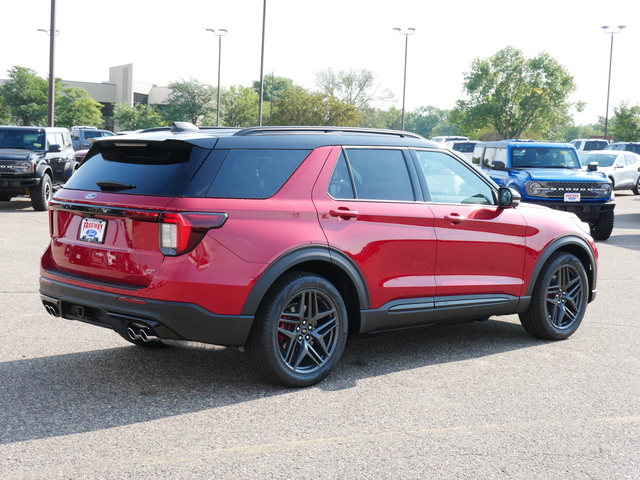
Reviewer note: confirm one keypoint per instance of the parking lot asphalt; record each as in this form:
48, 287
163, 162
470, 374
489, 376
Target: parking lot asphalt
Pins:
470, 401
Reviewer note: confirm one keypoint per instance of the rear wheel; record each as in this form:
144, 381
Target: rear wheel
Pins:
299, 332
41, 194
559, 299
602, 228
636, 189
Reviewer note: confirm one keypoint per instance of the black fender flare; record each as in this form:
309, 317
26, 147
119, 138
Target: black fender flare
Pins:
568, 243
41, 170
288, 261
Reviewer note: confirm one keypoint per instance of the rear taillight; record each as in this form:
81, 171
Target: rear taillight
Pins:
179, 233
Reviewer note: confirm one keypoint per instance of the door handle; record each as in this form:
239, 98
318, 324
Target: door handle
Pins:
343, 213
455, 218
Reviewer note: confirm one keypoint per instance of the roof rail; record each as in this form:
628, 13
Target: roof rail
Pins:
324, 130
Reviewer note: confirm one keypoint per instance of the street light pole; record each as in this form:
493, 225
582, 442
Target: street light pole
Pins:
221, 33
52, 32
612, 33
406, 33
264, 23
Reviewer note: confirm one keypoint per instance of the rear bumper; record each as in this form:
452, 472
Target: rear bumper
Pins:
167, 320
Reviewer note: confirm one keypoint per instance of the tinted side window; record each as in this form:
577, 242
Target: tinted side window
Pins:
255, 173
633, 148
379, 174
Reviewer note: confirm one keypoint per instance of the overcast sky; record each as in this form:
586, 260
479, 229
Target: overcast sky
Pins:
167, 41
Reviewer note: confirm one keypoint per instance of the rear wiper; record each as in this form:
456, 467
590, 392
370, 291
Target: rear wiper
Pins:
113, 186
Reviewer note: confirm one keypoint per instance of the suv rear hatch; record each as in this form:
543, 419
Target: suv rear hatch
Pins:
97, 232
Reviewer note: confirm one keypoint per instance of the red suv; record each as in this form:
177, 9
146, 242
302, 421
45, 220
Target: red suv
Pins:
285, 240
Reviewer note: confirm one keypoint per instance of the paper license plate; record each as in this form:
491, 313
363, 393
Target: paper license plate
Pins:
571, 197
92, 230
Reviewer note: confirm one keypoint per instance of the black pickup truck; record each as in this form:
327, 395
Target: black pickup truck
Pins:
34, 161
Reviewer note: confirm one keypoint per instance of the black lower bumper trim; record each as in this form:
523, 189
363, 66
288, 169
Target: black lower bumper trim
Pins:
169, 320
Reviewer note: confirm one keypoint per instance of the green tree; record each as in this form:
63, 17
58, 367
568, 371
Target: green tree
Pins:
128, 117
239, 107
273, 87
625, 123
25, 97
74, 106
513, 94
4, 111
190, 101
424, 120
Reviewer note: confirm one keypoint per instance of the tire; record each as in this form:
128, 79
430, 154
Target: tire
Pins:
559, 299
636, 189
602, 228
299, 332
41, 194
5, 198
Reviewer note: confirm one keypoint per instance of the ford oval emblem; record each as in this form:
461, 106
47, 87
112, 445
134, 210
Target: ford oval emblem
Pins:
89, 196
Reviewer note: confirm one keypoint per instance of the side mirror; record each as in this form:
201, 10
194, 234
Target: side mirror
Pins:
508, 197
55, 148
498, 165
592, 167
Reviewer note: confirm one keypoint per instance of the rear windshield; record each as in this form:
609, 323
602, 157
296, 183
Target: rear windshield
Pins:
464, 147
179, 169
161, 170
591, 145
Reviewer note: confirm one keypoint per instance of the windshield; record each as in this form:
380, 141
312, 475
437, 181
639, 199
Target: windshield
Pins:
544, 157
602, 160
29, 139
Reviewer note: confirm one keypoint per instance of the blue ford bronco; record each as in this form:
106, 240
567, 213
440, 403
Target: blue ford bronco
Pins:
550, 174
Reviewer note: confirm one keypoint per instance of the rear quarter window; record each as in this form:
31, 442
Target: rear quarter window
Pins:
255, 174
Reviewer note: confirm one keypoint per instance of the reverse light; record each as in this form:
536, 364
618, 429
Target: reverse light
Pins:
179, 233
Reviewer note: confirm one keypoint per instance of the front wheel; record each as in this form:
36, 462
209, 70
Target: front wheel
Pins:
41, 194
300, 331
636, 189
602, 228
559, 299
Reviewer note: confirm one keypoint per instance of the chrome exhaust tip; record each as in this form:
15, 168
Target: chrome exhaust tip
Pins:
133, 335
147, 336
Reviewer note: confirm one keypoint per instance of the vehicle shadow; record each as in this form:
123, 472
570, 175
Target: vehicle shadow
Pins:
18, 204
95, 390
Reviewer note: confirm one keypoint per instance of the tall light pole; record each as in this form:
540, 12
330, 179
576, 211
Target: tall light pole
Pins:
264, 23
221, 33
612, 33
406, 33
52, 32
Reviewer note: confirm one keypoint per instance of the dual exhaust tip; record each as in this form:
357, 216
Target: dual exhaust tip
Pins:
144, 334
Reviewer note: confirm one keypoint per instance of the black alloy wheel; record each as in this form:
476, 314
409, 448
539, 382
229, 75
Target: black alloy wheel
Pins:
300, 331
559, 299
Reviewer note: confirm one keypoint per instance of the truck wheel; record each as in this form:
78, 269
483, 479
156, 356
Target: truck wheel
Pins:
559, 299
41, 194
5, 198
602, 228
299, 332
